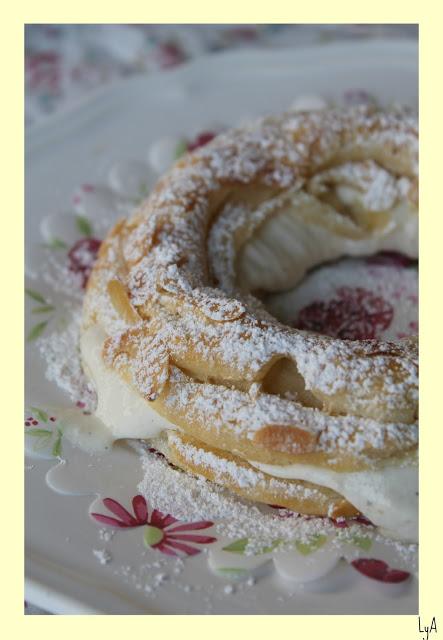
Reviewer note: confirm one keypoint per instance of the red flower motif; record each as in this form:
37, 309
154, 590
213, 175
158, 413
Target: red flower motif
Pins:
159, 534
43, 71
353, 97
356, 314
391, 259
283, 512
169, 54
338, 523
199, 141
82, 257
157, 453
343, 523
245, 34
379, 570
124, 518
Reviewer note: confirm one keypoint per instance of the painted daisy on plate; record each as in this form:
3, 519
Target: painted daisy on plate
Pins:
162, 531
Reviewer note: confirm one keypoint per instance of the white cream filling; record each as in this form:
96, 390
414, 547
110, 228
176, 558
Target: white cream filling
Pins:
388, 496
124, 412
282, 250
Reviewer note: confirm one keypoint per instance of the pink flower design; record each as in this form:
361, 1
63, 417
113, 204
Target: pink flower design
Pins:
243, 34
200, 140
169, 54
338, 523
124, 518
353, 97
82, 256
379, 570
343, 523
391, 259
82, 405
30, 421
156, 452
161, 532
412, 326
356, 314
282, 512
43, 71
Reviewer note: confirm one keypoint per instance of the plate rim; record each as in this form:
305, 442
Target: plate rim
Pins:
405, 49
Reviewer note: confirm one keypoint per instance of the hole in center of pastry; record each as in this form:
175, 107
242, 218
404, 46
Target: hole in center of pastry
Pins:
290, 248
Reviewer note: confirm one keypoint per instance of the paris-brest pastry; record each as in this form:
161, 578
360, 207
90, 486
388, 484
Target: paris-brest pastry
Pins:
176, 337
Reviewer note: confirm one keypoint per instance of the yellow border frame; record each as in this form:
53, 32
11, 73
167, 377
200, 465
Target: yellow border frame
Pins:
429, 19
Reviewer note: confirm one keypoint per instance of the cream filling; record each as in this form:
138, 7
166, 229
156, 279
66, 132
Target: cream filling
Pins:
388, 496
282, 250
124, 411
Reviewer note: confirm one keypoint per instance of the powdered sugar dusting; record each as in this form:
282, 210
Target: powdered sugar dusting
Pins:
61, 352
231, 410
363, 184
194, 498
190, 230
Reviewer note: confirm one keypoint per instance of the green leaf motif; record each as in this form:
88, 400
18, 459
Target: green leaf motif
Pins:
180, 149
36, 331
272, 546
57, 448
362, 542
84, 226
35, 295
316, 541
144, 190
46, 309
232, 571
238, 546
41, 415
56, 243
39, 433
42, 437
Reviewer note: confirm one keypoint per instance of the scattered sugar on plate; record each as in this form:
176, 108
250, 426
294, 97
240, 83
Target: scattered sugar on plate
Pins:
106, 534
102, 555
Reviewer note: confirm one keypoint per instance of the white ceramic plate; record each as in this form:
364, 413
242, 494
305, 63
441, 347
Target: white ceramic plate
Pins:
77, 147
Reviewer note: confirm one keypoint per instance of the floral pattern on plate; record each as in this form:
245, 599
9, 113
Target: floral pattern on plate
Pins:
161, 530
302, 560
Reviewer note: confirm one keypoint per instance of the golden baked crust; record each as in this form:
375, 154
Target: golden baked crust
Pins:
174, 288
236, 474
